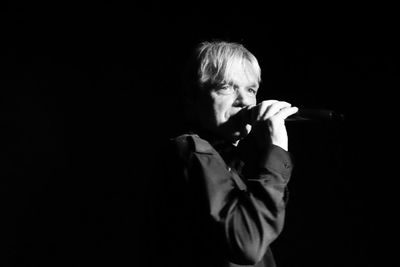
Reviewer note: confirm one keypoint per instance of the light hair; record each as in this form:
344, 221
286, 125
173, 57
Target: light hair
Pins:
215, 60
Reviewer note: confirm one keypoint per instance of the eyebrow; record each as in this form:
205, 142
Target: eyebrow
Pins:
254, 85
230, 82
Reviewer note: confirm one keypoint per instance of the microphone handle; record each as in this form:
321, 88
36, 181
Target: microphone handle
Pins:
305, 114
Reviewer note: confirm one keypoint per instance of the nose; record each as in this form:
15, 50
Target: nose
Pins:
243, 98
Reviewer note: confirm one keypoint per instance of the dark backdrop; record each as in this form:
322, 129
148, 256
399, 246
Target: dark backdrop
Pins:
89, 90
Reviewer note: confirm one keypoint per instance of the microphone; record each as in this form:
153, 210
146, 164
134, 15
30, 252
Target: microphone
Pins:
306, 114
302, 115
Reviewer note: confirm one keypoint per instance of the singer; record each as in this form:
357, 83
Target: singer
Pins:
224, 180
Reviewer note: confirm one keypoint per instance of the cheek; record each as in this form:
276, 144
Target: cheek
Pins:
222, 109
254, 101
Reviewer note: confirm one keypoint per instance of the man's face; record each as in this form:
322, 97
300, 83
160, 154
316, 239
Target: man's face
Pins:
218, 106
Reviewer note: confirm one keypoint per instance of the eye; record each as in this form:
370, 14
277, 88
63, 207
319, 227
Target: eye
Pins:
252, 91
226, 89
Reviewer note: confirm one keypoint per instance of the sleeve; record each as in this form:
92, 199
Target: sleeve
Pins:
247, 208
255, 212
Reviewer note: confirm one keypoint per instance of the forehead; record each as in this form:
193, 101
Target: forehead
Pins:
241, 71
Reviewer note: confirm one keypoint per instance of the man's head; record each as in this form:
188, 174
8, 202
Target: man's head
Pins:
225, 79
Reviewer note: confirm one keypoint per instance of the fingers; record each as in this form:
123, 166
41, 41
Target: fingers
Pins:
262, 108
274, 108
286, 112
269, 127
269, 109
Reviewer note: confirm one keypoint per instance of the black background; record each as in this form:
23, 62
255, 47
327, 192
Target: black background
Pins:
88, 91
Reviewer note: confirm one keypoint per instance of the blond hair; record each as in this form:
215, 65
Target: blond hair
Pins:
216, 58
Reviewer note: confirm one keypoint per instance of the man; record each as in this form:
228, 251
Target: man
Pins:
222, 199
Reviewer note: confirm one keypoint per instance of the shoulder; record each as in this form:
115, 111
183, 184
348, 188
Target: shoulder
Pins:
189, 143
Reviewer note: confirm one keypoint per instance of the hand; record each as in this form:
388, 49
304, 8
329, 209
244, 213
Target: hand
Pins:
269, 123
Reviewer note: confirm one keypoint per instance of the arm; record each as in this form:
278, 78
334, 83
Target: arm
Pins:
257, 213
257, 210
248, 211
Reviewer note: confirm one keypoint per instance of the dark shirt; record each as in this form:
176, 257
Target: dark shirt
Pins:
217, 204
